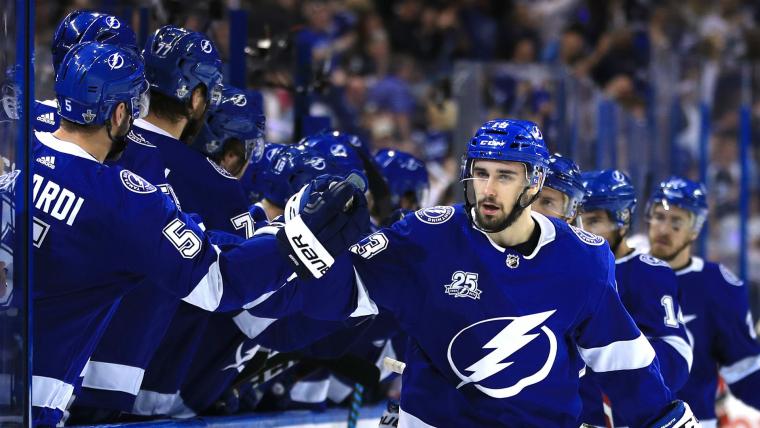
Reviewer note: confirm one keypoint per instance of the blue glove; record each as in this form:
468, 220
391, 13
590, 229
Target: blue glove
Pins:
677, 415
321, 221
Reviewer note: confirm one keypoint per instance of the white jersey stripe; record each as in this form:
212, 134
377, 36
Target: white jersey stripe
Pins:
740, 369
50, 393
622, 355
310, 391
681, 346
208, 293
113, 377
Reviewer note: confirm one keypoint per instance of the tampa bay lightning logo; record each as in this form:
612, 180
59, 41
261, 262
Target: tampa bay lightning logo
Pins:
317, 163
135, 183
410, 165
239, 100
339, 150
115, 61
502, 356
113, 22
730, 277
536, 133
206, 46
435, 215
653, 261
588, 237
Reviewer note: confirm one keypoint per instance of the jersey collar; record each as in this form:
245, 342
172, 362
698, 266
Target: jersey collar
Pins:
548, 233
696, 265
49, 140
635, 253
144, 124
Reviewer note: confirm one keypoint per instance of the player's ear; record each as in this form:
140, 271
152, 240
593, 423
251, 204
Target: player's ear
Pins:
119, 114
198, 99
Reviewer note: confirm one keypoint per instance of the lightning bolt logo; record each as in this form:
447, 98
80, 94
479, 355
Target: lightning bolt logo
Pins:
241, 359
509, 340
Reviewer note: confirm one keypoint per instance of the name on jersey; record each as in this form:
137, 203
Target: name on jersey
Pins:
57, 201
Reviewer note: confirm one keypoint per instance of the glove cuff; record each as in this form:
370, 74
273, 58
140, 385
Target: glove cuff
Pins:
303, 249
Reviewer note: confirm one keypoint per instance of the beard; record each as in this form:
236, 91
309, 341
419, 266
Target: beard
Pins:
499, 221
192, 128
118, 142
668, 256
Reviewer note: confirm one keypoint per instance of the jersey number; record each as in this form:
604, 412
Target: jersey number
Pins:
244, 221
185, 241
670, 312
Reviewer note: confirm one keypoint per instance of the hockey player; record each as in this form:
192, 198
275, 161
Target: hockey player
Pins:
83, 208
230, 342
713, 301
407, 178
78, 27
646, 285
234, 131
502, 304
195, 183
253, 177
563, 190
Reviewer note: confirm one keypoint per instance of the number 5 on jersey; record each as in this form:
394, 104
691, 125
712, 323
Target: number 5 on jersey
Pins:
184, 240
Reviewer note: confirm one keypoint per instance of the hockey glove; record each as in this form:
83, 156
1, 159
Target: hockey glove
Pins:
321, 221
390, 415
677, 415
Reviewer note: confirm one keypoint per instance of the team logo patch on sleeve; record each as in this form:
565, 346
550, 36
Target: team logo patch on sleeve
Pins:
219, 169
135, 183
435, 215
588, 237
653, 261
730, 277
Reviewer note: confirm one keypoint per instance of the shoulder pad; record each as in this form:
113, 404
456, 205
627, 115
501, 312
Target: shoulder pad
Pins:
223, 172
653, 261
435, 215
135, 183
729, 276
587, 237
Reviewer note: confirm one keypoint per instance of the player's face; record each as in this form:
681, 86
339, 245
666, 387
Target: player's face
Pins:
552, 203
497, 186
600, 223
670, 231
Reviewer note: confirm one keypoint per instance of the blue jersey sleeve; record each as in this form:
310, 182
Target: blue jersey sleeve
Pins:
382, 259
652, 301
622, 360
736, 346
171, 248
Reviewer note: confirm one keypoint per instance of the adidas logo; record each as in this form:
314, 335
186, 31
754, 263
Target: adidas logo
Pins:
48, 118
48, 161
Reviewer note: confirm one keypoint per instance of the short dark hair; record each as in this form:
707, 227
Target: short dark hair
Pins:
74, 127
170, 108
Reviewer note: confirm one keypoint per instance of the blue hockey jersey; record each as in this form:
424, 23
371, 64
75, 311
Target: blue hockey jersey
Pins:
46, 118
499, 337
649, 291
719, 324
83, 208
133, 337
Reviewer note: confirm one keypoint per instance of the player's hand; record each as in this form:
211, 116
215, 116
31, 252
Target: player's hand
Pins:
677, 415
321, 221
